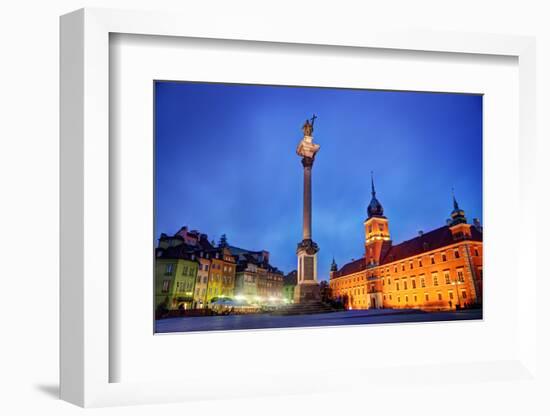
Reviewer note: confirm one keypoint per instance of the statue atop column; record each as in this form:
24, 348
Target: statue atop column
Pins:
306, 148
307, 128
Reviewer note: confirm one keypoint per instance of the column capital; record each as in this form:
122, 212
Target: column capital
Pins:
307, 245
307, 162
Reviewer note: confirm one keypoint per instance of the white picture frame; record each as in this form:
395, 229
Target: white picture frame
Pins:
85, 201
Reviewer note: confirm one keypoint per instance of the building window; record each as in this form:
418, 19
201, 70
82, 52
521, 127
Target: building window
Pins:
426, 297
447, 277
381, 227
432, 260
165, 286
404, 285
439, 296
415, 299
419, 262
410, 265
169, 269
434, 280
422, 282
443, 257
397, 286
206, 267
395, 269
399, 299
476, 252
402, 267
451, 295
406, 299
413, 282
457, 254
389, 281
460, 276
390, 296
464, 294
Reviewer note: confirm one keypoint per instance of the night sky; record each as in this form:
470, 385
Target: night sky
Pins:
226, 163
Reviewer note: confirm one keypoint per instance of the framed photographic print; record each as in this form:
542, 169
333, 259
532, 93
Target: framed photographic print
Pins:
311, 197
257, 190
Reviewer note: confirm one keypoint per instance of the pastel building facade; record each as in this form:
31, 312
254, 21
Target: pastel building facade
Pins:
175, 275
220, 271
256, 279
438, 270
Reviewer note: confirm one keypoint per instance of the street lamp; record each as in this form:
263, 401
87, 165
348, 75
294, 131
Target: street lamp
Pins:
455, 284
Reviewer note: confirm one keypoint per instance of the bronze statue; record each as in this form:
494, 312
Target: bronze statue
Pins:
308, 126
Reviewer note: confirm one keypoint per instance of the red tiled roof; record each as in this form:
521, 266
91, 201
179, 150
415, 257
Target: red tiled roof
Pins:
433, 240
438, 238
351, 267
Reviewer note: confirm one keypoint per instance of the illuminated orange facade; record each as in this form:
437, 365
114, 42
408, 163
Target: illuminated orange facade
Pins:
440, 269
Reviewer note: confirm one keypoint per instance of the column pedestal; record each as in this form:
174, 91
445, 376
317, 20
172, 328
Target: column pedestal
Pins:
307, 287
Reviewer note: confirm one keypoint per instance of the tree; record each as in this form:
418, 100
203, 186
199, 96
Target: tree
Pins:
223, 241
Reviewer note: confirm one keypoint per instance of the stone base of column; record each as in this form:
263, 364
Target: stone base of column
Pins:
307, 287
307, 292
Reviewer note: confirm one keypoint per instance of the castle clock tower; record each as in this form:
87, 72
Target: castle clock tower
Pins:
377, 232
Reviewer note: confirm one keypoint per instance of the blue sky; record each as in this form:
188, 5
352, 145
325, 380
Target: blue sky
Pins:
226, 163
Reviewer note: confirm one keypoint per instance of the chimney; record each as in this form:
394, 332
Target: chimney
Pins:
477, 224
420, 233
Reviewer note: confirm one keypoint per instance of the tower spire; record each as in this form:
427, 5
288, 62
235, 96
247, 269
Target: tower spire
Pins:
455, 203
457, 215
333, 266
375, 207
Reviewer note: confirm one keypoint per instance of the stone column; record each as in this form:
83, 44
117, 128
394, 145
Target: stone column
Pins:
307, 162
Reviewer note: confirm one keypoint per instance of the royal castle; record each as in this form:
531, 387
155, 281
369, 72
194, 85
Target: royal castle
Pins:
439, 269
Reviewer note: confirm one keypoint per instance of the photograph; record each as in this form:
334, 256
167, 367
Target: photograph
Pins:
291, 206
